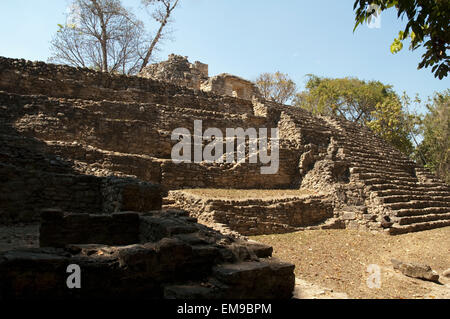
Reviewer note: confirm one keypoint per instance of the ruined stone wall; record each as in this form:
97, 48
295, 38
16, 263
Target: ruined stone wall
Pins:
102, 129
38, 78
59, 229
125, 139
146, 132
230, 85
25, 192
251, 217
37, 175
178, 70
243, 176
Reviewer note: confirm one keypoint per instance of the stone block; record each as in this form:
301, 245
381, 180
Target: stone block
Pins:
419, 271
349, 216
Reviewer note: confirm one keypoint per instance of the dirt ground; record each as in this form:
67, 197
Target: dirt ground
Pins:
334, 263
241, 194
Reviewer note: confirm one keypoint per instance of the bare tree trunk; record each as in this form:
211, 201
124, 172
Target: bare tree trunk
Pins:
103, 40
155, 41
153, 45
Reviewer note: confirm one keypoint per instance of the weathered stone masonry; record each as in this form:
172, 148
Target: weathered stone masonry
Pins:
61, 152
258, 216
178, 70
102, 125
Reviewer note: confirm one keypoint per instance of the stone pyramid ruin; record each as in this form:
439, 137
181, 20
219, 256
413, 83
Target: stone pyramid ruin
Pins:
90, 153
104, 129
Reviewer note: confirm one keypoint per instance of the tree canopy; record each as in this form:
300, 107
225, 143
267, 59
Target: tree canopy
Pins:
434, 150
277, 87
392, 121
349, 98
428, 26
104, 35
372, 104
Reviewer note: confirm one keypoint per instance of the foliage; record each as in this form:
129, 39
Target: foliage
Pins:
372, 104
394, 124
277, 87
349, 98
427, 26
435, 147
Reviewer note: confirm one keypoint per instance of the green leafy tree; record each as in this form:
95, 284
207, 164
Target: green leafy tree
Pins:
394, 124
434, 150
277, 87
428, 26
372, 104
349, 98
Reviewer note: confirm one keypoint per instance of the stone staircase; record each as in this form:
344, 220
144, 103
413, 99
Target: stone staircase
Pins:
169, 203
411, 197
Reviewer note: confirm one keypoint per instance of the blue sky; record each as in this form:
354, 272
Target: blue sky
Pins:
248, 37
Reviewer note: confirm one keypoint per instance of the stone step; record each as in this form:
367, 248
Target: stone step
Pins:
421, 211
398, 230
74, 158
368, 161
417, 187
363, 166
423, 218
310, 125
170, 206
247, 277
379, 165
392, 192
237, 281
358, 148
370, 171
376, 155
156, 128
417, 204
168, 201
400, 183
384, 176
150, 111
414, 197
